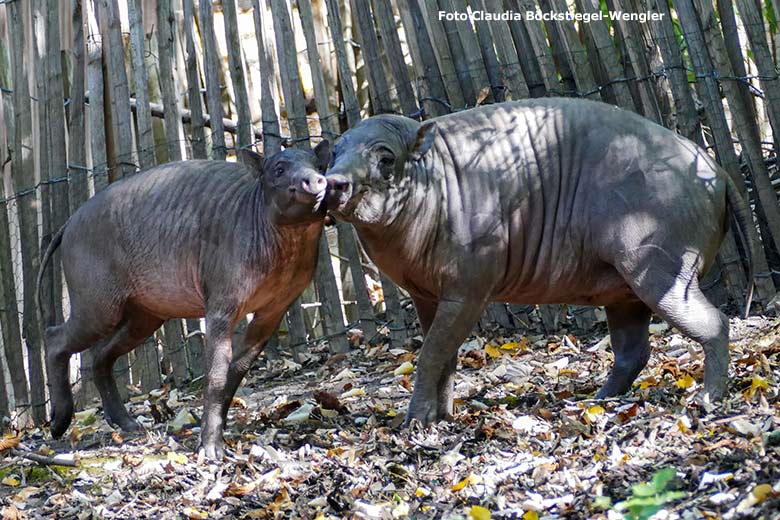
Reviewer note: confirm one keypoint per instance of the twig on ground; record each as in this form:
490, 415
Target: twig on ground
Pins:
43, 459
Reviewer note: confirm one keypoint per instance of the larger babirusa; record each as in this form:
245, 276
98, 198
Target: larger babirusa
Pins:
539, 201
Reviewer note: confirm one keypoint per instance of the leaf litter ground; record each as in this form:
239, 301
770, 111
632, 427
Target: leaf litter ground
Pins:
324, 439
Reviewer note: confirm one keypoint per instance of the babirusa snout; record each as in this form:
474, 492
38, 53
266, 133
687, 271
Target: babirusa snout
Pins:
339, 190
313, 183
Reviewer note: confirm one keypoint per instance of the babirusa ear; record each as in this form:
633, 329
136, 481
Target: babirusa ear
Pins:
252, 160
423, 140
322, 152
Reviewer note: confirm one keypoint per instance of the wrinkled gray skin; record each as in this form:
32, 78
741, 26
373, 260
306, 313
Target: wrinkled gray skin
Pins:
539, 201
186, 240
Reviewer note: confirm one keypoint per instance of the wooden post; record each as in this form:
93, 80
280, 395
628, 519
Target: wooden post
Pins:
291, 80
272, 138
23, 175
197, 124
143, 114
78, 181
58, 161
211, 68
245, 136
762, 56
383, 13
441, 50
96, 102
377, 81
327, 121
709, 93
603, 52
747, 130
328, 292
9, 310
492, 66
753, 24
165, 47
540, 49
351, 106
349, 248
573, 50
471, 50
433, 94
119, 93
632, 38
688, 123
393, 312
506, 52
456, 50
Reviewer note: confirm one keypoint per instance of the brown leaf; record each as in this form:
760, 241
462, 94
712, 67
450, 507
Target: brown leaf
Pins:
10, 512
627, 415
132, 460
117, 438
329, 401
545, 413
239, 490
6, 443
406, 382
483, 94
284, 410
473, 359
335, 359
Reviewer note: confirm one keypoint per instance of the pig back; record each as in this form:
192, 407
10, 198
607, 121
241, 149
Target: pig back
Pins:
163, 235
542, 196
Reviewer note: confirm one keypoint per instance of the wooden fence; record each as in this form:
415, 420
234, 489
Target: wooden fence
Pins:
145, 82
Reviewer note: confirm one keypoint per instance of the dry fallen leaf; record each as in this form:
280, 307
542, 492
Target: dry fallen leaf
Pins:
178, 458
194, 514
10, 441
686, 381
328, 401
10, 512
479, 513
757, 385
405, 368
10, 481
239, 490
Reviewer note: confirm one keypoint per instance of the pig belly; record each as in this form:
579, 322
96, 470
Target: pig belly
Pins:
173, 298
599, 286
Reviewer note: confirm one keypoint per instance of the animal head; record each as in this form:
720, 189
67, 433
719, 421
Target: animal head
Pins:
293, 183
366, 175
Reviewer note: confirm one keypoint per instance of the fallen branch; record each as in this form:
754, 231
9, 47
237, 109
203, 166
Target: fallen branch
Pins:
43, 459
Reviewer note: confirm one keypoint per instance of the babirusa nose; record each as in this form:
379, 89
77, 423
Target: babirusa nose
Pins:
313, 183
338, 183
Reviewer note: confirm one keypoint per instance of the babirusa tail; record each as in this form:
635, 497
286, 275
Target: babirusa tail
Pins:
53, 245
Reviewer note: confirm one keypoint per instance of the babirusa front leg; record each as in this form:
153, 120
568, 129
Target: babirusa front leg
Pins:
432, 397
219, 331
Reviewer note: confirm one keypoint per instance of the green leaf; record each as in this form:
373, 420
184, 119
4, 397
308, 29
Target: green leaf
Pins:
663, 477
644, 490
